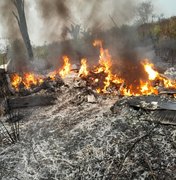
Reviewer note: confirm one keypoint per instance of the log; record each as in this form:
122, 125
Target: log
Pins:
31, 101
168, 92
146, 103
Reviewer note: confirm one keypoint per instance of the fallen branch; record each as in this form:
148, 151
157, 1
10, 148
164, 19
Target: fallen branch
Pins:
161, 123
31, 101
133, 146
150, 167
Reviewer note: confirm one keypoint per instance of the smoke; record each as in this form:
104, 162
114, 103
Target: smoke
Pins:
17, 50
130, 67
57, 17
18, 55
54, 14
92, 14
53, 8
9, 23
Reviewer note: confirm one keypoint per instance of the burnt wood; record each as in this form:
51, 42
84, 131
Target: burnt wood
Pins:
4, 85
169, 92
147, 102
31, 101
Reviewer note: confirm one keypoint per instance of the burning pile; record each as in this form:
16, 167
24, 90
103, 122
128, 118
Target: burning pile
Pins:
101, 78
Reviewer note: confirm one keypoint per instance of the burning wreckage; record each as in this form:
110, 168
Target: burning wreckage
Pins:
90, 123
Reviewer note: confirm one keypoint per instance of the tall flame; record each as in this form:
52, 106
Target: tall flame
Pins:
66, 67
83, 69
16, 80
105, 64
152, 74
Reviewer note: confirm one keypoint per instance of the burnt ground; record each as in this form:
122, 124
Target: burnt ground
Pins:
78, 140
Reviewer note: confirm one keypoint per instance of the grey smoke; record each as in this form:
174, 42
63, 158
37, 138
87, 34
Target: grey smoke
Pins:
16, 51
8, 21
92, 14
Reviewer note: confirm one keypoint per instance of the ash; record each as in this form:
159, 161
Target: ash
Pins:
77, 139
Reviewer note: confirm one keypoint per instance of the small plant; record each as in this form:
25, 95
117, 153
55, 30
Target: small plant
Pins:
9, 127
9, 122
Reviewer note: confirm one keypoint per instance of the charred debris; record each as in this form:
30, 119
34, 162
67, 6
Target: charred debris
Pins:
93, 106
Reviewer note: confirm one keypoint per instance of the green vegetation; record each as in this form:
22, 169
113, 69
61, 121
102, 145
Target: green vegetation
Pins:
165, 28
1, 58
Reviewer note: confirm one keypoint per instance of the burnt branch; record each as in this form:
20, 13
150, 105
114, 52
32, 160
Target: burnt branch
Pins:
16, 17
14, 2
137, 141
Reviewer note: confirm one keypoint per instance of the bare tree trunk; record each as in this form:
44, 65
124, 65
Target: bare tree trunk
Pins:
21, 19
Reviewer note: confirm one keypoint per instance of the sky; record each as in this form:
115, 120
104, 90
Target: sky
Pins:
167, 7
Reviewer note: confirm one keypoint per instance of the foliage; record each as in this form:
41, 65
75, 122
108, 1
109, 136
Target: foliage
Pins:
74, 31
144, 11
157, 30
3, 58
41, 52
165, 28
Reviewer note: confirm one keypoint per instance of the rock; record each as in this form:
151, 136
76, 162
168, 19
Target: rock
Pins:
91, 99
78, 82
171, 73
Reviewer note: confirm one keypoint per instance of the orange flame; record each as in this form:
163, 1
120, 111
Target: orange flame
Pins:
146, 88
27, 80
16, 81
83, 69
101, 77
52, 75
104, 58
168, 83
31, 79
152, 74
66, 67
105, 64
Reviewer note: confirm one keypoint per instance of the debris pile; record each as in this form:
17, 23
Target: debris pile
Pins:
84, 135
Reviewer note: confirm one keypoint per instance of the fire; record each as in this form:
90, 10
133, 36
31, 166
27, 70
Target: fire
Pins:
27, 80
169, 83
31, 79
66, 67
100, 77
128, 92
83, 69
105, 61
16, 81
52, 75
152, 74
105, 64
146, 88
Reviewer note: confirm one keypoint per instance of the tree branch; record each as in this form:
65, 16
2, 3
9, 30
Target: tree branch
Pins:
16, 17
139, 139
14, 2
23, 5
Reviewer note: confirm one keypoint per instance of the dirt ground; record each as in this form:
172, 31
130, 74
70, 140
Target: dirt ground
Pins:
76, 140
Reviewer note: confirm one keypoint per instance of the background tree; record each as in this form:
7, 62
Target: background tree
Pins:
21, 19
74, 31
144, 11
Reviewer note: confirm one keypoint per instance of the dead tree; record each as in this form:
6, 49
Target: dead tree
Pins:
74, 31
21, 19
